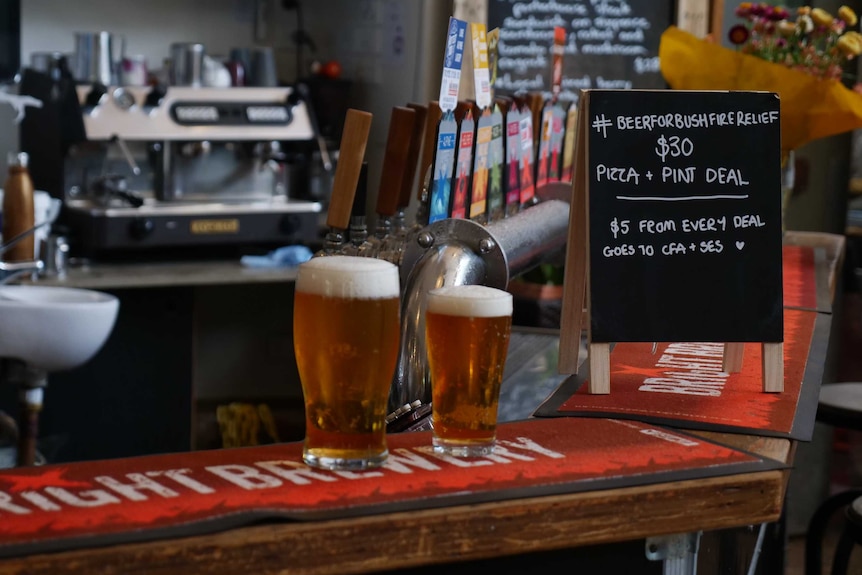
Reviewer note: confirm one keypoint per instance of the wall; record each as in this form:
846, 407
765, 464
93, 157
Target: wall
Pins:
149, 27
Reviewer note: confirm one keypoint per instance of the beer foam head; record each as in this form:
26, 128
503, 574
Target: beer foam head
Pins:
349, 277
470, 301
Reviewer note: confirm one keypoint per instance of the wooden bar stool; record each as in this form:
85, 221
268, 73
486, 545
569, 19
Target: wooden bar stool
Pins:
840, 405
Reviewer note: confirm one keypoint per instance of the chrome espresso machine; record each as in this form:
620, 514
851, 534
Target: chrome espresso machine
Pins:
195, 169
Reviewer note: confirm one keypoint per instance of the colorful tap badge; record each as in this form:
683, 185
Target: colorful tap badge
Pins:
452, 61
481, 74
569, 142
551, 134
544, 144
481, 169
443, 166
496, 165
463, 167
497, 147
528, 189
513, 159
558, 120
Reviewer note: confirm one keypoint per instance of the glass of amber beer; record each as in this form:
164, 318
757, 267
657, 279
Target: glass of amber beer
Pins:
467, 331
346, 329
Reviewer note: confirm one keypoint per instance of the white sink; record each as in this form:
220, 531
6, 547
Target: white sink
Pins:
54, 328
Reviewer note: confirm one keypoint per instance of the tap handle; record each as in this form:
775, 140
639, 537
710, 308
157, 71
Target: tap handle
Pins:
428, 144
412, 153
354, 138
395, 160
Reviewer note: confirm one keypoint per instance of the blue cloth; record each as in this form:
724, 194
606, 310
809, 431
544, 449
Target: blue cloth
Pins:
288, 256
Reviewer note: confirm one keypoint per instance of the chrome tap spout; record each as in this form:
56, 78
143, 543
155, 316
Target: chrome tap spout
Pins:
11, 270
462, 252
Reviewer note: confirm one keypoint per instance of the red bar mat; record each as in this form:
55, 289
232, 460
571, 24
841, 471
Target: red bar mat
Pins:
66, 506
805, 276
682, 385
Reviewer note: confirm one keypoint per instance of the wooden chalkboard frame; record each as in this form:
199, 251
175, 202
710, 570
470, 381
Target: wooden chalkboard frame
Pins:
576, 307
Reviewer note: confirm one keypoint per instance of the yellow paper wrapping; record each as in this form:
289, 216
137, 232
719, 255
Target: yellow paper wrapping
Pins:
811, 108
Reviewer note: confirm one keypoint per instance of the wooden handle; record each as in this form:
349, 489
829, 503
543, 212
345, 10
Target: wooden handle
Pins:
462, 108
354, 138
395, 159
412, 153
428, 143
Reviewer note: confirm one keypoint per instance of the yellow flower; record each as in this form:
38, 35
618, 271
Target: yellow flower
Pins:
821, 17
847, 14
849, 45
786, 28
803, 11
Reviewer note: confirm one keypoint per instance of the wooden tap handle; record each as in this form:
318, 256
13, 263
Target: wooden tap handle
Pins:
395, 159
412, 153
354, 138
429, 141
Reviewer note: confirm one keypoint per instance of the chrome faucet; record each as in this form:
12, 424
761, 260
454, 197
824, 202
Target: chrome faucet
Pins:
461, 252
12, 270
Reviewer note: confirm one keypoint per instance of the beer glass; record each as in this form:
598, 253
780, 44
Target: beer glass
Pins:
346, 330
467, 331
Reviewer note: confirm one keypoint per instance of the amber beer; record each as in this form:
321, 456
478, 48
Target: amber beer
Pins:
467, 337
346, 329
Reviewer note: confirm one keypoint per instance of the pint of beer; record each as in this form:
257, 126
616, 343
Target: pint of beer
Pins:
467, 337
346, 329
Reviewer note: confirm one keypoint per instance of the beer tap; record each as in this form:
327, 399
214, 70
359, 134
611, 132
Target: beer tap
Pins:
358, 244
354, 138
399, 226
392, 179
429, 142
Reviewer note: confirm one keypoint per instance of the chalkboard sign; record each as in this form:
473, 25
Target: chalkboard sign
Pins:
609, 44
684, 216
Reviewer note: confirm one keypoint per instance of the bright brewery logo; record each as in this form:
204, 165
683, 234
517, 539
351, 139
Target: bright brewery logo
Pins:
202, 227
52, 492
685, 369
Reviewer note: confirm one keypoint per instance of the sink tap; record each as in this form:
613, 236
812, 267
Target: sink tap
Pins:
11, 270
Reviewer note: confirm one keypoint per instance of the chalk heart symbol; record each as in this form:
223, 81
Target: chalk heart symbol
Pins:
740, 245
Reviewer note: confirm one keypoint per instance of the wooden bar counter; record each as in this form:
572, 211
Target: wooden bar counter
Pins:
448, 535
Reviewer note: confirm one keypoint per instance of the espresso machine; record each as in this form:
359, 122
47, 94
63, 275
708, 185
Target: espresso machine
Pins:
176, 169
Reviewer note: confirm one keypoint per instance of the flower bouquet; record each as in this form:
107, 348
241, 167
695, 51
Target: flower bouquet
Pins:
802, 61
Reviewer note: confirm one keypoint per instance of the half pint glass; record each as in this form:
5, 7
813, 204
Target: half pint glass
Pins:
346, 329
467, 337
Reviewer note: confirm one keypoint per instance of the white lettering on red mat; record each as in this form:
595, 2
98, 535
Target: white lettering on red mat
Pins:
40, 501
92, 498
693, 369
260, 475
298, 474
244, 476
401, 460
528, 444
456, 461
181, 477
669, 437
133, 491
7, 505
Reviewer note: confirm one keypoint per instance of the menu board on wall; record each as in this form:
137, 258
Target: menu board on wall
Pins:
610, 44
683, 199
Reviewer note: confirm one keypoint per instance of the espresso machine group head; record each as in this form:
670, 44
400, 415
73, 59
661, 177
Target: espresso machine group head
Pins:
183, 167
